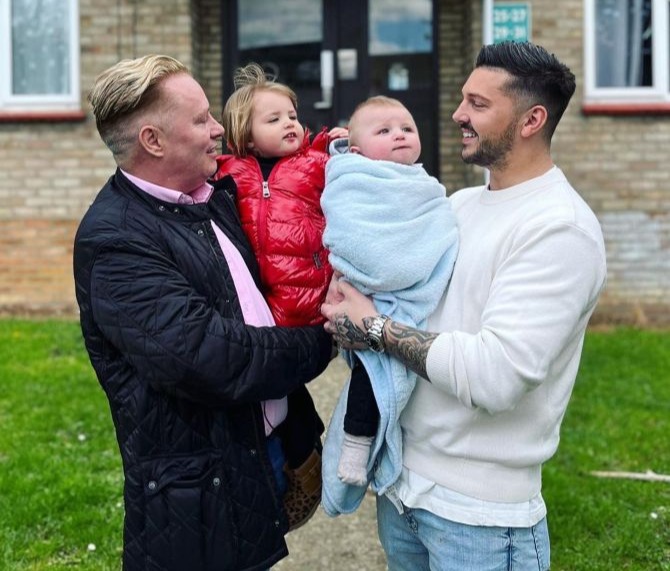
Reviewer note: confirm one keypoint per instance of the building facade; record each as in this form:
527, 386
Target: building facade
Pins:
612, 142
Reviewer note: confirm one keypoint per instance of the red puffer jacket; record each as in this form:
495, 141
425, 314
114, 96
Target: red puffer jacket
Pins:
284, 223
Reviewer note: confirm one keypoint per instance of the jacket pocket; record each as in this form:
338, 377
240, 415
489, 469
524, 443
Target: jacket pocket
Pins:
188, 523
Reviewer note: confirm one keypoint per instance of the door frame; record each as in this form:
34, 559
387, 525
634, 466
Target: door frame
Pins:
351, 16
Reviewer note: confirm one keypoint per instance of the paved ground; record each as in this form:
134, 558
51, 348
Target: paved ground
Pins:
344, 543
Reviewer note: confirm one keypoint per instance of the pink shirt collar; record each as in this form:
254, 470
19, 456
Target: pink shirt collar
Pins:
197, 196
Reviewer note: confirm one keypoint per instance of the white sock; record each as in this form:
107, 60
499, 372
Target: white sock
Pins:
352, 468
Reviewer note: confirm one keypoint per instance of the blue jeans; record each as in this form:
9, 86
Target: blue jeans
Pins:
418, 540
277, 460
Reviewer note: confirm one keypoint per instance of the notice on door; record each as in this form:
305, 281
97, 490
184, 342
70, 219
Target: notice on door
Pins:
398, 77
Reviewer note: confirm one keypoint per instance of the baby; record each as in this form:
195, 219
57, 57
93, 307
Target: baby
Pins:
391, 232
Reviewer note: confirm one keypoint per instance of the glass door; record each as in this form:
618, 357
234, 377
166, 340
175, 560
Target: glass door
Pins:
401, 53
336, 53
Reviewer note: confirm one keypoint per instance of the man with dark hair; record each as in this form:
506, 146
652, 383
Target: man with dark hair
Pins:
536, 77
500, 354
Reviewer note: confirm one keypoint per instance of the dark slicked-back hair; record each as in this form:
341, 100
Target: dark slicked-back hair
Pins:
538, 77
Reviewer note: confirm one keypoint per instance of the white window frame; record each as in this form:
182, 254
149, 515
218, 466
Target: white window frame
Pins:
659, 91
27, 103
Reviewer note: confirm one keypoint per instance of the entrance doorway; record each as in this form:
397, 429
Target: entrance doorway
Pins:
336, 53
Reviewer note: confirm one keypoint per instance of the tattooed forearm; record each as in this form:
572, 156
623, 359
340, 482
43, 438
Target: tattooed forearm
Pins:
409, 345
346, 332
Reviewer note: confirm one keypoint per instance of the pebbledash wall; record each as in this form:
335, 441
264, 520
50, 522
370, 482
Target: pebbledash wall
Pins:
51, 170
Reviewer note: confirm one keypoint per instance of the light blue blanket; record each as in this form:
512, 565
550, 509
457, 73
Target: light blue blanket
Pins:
391, 232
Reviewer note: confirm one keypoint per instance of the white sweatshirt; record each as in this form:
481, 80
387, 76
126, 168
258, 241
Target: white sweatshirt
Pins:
529, 272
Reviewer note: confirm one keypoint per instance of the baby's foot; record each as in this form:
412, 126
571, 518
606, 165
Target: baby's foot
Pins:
352, 468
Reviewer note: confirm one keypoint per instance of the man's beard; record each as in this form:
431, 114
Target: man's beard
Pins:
492, 153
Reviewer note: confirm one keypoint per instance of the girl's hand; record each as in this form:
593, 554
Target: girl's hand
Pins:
338, 133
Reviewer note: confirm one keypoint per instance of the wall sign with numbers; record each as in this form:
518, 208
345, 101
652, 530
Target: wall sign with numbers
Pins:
511, 22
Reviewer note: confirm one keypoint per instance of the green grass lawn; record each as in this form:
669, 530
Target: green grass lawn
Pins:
618, 420
61, 482
60, 475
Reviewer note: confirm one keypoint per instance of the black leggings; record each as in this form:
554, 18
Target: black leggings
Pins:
299, 433
362, 416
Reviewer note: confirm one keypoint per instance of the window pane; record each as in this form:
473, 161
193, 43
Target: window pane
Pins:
288, 44
40, 47
400, 27
623, 43
288, 22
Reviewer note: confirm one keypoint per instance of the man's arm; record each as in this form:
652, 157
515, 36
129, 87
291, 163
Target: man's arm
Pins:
178, 341
350, 314
409, 345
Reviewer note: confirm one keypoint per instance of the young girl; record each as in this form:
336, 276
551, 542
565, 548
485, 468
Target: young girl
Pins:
280, 177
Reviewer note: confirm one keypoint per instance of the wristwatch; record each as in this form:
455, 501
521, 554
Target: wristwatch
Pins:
374, 336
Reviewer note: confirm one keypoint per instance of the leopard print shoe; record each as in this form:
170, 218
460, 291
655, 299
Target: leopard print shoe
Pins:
304, 491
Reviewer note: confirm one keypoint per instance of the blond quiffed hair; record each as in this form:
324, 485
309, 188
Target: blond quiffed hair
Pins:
374, 101
126, 88
238, 111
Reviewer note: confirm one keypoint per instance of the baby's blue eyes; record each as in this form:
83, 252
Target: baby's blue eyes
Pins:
385, 131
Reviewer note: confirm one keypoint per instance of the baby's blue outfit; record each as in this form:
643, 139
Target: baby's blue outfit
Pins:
391, 231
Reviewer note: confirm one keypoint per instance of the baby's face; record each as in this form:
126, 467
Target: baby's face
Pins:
387, 133
275, 130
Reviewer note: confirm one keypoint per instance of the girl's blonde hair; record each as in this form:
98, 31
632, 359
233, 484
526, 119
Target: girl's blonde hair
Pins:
238, 111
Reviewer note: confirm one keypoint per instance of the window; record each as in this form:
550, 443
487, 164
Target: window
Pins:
39, 55
627, 57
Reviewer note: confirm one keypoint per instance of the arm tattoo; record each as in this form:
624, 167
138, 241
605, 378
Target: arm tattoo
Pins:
409, 345
347, 333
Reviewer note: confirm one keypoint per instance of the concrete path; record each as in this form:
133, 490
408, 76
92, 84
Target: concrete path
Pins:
344, 543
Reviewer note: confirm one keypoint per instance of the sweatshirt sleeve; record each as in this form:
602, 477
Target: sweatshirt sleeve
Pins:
532, 323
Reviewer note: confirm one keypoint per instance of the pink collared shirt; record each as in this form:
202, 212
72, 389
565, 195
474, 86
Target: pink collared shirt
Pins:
254, 307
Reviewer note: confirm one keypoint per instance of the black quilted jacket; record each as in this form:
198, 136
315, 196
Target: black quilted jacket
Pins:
184, 377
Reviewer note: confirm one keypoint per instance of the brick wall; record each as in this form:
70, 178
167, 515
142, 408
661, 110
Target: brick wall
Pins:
50, 172
618, 164
38, 278
207, 63
454, 63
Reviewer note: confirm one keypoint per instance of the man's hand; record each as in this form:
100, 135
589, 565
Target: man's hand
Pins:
349, 313
345, 309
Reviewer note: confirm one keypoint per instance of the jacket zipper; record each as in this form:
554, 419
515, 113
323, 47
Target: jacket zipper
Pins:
261, 223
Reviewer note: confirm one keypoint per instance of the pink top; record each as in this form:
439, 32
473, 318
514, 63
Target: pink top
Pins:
254, 308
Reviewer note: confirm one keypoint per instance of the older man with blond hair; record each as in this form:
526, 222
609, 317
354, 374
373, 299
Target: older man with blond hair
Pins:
182, 342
